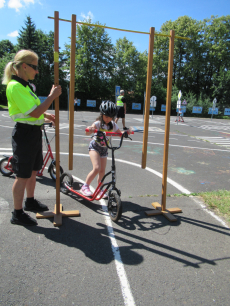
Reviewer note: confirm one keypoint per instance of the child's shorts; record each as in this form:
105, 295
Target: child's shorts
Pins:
102, 151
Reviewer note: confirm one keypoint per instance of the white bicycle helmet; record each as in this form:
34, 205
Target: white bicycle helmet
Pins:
108, 108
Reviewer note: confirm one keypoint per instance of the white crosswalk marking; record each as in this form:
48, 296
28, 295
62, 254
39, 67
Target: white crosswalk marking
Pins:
221, 141
151, 129
66, 126
215, 127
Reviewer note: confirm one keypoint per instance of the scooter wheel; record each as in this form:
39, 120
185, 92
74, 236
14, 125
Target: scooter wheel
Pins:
66, 180
114, 205
3, 163
53, 171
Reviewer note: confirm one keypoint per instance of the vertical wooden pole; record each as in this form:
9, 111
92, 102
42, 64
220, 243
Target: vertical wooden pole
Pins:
56, 82
72, 89
167, 120
147, 97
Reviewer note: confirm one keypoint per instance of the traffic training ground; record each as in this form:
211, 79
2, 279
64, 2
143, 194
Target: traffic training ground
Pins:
140, 260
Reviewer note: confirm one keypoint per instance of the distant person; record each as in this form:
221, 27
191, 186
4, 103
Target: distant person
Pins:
181, 115
121, 108
29, 114
75, 104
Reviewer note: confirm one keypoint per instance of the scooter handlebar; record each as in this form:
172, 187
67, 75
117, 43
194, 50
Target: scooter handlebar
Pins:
109, 133
50, 124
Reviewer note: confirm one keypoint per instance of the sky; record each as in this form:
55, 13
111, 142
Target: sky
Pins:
133, 15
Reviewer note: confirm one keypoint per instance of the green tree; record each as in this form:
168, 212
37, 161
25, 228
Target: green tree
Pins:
130, 68
188, 55
217, 37
201, 64
6, 47
3, 62
43, 45
27, 38
94, 54
221, 88
7, 53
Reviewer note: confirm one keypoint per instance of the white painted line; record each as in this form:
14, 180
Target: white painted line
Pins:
170, 181
6, 153
9, 127
171, 145
125, 287
6, 149
4, 208
223, 143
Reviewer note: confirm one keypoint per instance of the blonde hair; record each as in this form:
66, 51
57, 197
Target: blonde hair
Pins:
22, 56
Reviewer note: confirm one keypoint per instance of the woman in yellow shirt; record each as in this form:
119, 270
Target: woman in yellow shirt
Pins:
28, 113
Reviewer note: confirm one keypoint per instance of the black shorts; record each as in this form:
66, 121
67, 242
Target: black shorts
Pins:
102, 151
120, 112
27, 149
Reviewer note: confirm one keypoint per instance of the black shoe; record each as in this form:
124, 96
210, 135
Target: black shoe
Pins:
125, 128
23, 219
35, 206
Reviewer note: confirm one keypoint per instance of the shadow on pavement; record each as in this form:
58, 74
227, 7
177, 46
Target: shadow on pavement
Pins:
94, 242
159, 249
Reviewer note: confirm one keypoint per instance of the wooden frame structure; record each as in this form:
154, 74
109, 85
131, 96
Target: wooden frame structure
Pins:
159, 209
58, 212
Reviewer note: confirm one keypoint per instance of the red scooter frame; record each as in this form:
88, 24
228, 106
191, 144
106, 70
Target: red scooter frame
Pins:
114, 202
6, 167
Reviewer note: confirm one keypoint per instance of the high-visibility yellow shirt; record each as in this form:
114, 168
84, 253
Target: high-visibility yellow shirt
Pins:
119, 102
22, 101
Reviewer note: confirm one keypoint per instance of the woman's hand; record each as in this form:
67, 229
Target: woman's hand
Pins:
50, 118
55, 91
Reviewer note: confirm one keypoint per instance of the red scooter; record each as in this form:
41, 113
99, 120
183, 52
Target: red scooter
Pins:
114, 201
6, 167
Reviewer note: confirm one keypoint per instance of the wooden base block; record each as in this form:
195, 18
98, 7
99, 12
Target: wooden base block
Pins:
169, 216
166, 213
175, 210
156, 205
153, 212
58, 217
71, 213
44, 215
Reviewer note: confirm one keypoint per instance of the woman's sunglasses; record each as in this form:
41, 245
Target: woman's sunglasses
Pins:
33, 66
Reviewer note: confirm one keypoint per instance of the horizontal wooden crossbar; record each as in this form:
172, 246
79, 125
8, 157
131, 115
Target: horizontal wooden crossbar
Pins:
105, 27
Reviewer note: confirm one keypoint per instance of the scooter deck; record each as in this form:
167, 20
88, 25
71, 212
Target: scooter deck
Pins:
76, 190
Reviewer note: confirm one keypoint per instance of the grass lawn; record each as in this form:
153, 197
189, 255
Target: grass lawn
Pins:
219, 202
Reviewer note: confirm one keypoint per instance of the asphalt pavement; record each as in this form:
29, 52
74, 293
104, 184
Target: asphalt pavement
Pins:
140, 260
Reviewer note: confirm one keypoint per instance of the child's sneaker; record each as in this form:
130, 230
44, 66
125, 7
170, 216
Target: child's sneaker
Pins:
86, 191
